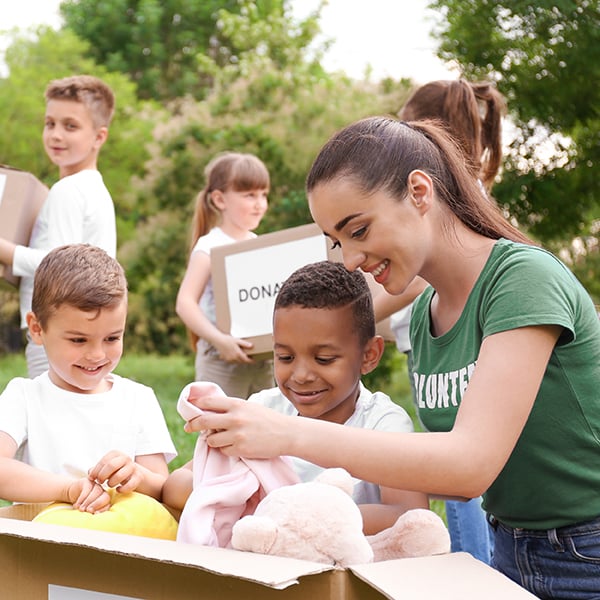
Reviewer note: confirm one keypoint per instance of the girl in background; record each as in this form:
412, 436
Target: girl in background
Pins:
472, 113
228, 209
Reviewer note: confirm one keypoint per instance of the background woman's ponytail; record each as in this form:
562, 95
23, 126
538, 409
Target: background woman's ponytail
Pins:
472, 112
491, 130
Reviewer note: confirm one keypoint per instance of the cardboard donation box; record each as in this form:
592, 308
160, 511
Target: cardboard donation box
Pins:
21, 197
247, 276
51, 562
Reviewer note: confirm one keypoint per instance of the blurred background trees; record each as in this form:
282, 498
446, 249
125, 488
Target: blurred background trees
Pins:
195, 77
543, 57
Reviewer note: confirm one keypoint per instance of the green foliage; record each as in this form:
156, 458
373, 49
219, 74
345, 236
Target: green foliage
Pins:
543, 57
153, 261
155, 42
172, 48
11, 365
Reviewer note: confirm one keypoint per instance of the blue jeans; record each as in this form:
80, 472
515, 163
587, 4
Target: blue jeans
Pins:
558, 563
469, 529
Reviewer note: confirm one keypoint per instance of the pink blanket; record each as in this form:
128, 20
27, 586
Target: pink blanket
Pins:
225, 488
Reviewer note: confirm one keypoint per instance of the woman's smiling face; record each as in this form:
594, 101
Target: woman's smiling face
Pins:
377, 233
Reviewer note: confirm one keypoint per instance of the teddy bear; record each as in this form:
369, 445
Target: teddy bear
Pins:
318, 521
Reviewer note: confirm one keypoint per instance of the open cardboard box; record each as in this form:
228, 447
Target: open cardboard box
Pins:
21, 197
51, 562
247, 276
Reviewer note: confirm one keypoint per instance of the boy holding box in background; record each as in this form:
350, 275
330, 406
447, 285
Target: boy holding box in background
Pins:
78, 208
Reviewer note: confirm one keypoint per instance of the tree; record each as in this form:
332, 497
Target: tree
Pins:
154, 41
165, 46
543, 57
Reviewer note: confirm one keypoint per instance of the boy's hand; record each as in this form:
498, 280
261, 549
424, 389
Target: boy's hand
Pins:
118, 471
88, 496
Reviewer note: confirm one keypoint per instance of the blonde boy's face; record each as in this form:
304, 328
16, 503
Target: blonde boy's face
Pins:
318, 360
71, 139
82, 347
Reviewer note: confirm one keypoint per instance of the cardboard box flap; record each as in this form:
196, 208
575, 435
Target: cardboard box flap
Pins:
435, 577
272, 571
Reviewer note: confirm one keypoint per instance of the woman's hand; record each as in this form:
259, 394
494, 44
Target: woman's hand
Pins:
241, 428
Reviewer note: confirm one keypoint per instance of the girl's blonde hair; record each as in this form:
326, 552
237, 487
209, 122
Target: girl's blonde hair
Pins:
472, 112
227, 171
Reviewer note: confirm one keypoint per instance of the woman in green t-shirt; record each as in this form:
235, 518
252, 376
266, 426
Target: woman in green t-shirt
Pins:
506, 350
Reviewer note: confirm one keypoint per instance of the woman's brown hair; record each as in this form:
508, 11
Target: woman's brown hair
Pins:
379, 153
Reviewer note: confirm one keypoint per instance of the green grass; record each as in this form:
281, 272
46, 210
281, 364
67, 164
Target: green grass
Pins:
167, 375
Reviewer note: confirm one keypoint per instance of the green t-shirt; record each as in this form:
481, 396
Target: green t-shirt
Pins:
552, 477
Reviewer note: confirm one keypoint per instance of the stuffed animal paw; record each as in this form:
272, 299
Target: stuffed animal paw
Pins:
417, 532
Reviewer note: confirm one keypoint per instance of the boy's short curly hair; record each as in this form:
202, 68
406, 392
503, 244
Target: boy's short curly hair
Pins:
329, 285
88, 90
79, 275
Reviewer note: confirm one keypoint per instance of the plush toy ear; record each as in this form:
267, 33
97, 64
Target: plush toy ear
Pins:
337, 477
254, 534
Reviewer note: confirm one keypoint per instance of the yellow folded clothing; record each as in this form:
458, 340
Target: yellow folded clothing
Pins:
132, 513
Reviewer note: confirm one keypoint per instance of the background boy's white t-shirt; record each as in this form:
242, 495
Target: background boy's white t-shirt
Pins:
78, 209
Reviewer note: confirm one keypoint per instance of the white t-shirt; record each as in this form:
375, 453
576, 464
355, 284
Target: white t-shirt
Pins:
54, 428
399, 324
215, 237
373, 411
78, 209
